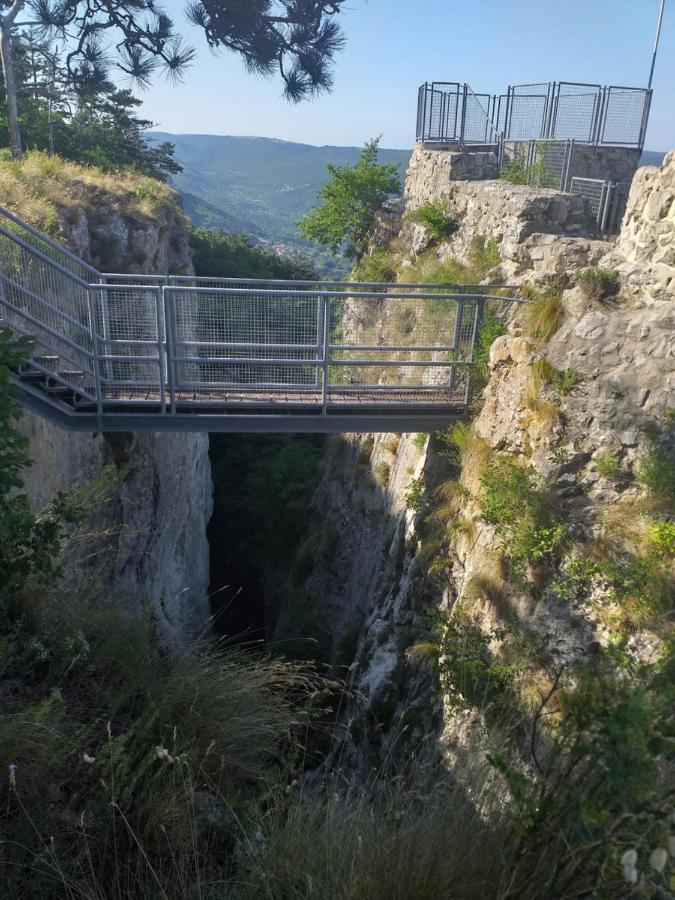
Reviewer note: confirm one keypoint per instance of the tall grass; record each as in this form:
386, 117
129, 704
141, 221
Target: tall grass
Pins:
545, 314
132, 772
38, 186
427, 842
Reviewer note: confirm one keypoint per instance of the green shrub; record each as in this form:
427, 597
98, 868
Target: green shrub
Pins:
599, 284
597, 784
415, 496
657, 469
378, 266
484, 255
436, 217
382, 472
490, 329
515, 502
420, 440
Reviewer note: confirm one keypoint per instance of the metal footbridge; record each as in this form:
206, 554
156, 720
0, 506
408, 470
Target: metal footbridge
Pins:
115, 352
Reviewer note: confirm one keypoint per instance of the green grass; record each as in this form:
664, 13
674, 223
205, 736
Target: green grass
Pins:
382, 473
657, 469
426, 842
484, 254
607, 465
563, 382
515, 501
378, 266
437, 218
109, 737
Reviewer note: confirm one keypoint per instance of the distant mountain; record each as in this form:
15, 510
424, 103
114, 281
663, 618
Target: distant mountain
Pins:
651, 158
260, 186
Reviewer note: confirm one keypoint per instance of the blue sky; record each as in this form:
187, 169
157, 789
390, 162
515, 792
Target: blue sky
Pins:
394, 45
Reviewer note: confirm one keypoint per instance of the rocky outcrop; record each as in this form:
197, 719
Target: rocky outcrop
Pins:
645, 249
539, 233
373, 583
624, 360
150, 496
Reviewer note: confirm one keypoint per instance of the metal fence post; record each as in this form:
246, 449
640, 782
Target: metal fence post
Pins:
161, 343
170, 350
95, 349
568, 166
325, 355
463, 120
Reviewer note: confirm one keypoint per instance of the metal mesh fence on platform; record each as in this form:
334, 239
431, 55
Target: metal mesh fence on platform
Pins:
587, 113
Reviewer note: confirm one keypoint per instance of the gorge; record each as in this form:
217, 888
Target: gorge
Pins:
443, 583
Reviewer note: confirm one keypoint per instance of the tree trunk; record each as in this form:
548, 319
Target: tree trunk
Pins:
10, 89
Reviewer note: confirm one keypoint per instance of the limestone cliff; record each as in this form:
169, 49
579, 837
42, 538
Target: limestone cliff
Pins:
145, 539
379, 575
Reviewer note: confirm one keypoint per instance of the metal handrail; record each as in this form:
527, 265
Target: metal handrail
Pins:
47, 240
154, 350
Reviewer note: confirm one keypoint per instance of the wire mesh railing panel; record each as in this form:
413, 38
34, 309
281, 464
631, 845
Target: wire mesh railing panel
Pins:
399, 346
46, 246
625, 116
442, 113
130, 340
477, 126
42, 301
576, 109
525, 111
617, 207
245, 336
537, 163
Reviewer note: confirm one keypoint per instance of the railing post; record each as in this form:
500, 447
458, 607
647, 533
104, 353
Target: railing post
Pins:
161, 353
325, 358
462, 127
459, 316
95, 349
170, 354
477, 322
424, 112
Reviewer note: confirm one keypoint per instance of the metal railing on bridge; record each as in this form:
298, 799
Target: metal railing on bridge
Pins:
143, 352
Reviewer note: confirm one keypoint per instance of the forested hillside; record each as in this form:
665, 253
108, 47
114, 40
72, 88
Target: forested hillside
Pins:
260, 187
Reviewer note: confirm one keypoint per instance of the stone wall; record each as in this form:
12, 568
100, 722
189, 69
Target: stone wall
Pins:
607, 163
431, 172
539, 232
145, 540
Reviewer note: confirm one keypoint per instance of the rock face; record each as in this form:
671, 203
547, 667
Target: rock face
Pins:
367, 586
145, 539
625, 360
373, 582
645, 249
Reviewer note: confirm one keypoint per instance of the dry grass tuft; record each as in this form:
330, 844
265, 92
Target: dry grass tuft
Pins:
545, 314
